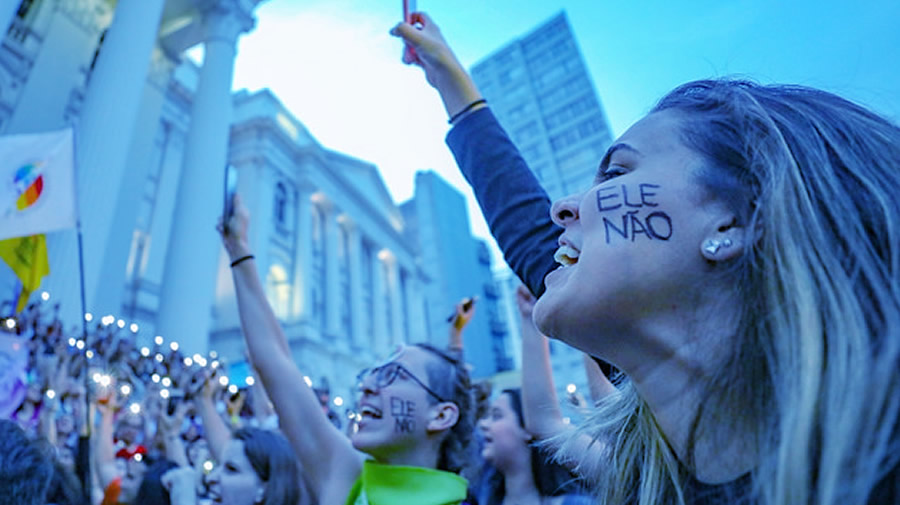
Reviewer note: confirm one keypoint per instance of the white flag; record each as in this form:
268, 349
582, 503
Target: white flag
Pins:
37, 183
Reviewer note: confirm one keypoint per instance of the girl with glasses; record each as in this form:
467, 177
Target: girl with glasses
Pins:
415, 423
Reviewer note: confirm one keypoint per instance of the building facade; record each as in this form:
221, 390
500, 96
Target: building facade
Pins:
154, 133
458, 266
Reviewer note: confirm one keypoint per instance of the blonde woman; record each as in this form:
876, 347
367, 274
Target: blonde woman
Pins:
738, 259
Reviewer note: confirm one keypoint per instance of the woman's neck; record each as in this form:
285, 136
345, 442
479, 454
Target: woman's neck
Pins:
519, 484
674, 379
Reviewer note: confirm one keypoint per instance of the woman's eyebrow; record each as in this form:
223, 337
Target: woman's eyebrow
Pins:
604, 163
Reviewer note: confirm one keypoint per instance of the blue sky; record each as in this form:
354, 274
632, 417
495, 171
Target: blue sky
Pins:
334, 65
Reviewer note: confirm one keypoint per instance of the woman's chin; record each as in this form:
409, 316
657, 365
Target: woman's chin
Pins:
541, 315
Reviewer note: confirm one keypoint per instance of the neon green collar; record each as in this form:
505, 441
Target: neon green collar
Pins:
381, 484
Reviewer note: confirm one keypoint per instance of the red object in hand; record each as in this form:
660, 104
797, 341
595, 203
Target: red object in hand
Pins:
409, 7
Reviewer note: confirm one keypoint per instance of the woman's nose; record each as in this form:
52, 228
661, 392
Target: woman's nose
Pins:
565, 210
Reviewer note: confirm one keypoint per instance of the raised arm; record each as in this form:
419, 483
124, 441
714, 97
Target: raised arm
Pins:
598, 384
104, 446
169, 426
540, 404
463, 313
214, 427
513, 202
324, 452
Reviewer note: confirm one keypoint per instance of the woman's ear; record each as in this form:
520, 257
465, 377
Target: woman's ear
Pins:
444, 416
725, 241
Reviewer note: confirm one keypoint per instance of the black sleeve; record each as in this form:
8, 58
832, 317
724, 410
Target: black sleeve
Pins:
515, 206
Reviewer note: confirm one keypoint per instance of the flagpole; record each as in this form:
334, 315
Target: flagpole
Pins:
88, 418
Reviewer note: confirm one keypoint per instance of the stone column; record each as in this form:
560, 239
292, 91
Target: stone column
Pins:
395, 295
333, 296
357, 310
109, 291
302, 295
103, 136
188, 282
381, 337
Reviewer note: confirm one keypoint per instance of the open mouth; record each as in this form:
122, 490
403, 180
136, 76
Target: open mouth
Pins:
369, 412
566, 255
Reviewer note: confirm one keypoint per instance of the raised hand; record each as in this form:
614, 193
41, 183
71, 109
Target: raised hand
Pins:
234, 232
464, 312
181, 484
442, 69
525, 301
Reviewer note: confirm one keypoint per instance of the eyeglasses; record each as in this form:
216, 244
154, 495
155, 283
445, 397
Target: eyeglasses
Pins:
386, 374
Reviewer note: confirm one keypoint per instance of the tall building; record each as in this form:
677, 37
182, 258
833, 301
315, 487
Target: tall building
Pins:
541, 92
458, 266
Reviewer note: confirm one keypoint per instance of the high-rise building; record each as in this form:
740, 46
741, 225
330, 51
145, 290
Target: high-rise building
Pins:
541, 92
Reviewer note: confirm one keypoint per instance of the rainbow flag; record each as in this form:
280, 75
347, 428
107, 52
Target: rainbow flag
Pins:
29, 178
37, 183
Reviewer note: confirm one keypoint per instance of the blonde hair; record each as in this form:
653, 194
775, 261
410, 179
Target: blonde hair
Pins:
812, 381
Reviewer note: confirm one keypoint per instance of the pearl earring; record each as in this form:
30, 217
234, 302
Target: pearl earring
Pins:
712, 246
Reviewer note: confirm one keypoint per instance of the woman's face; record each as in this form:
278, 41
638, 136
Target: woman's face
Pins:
130, 429
132, 476
505, 440
234, 482
65, 424
630, 254
198, 451
394, 417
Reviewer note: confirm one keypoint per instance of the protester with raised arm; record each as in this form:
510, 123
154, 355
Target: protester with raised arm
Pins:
416, 421
738, 259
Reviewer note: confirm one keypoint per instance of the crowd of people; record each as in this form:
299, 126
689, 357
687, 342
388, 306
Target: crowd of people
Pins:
736, 262
95, 419
111, 417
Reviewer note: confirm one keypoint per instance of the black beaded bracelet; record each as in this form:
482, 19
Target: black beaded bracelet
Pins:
239, 260
467, 108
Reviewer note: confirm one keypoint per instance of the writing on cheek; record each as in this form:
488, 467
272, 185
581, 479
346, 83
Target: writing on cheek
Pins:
627, 206
403, 412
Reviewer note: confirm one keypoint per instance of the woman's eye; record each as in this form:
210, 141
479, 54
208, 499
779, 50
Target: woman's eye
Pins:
611, 172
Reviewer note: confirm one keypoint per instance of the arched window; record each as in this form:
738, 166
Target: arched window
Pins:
281, 201
278, 290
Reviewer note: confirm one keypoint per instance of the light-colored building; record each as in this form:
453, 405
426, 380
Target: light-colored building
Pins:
111, 71
154, 132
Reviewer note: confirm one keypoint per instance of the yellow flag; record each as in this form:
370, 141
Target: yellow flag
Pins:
27, 257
